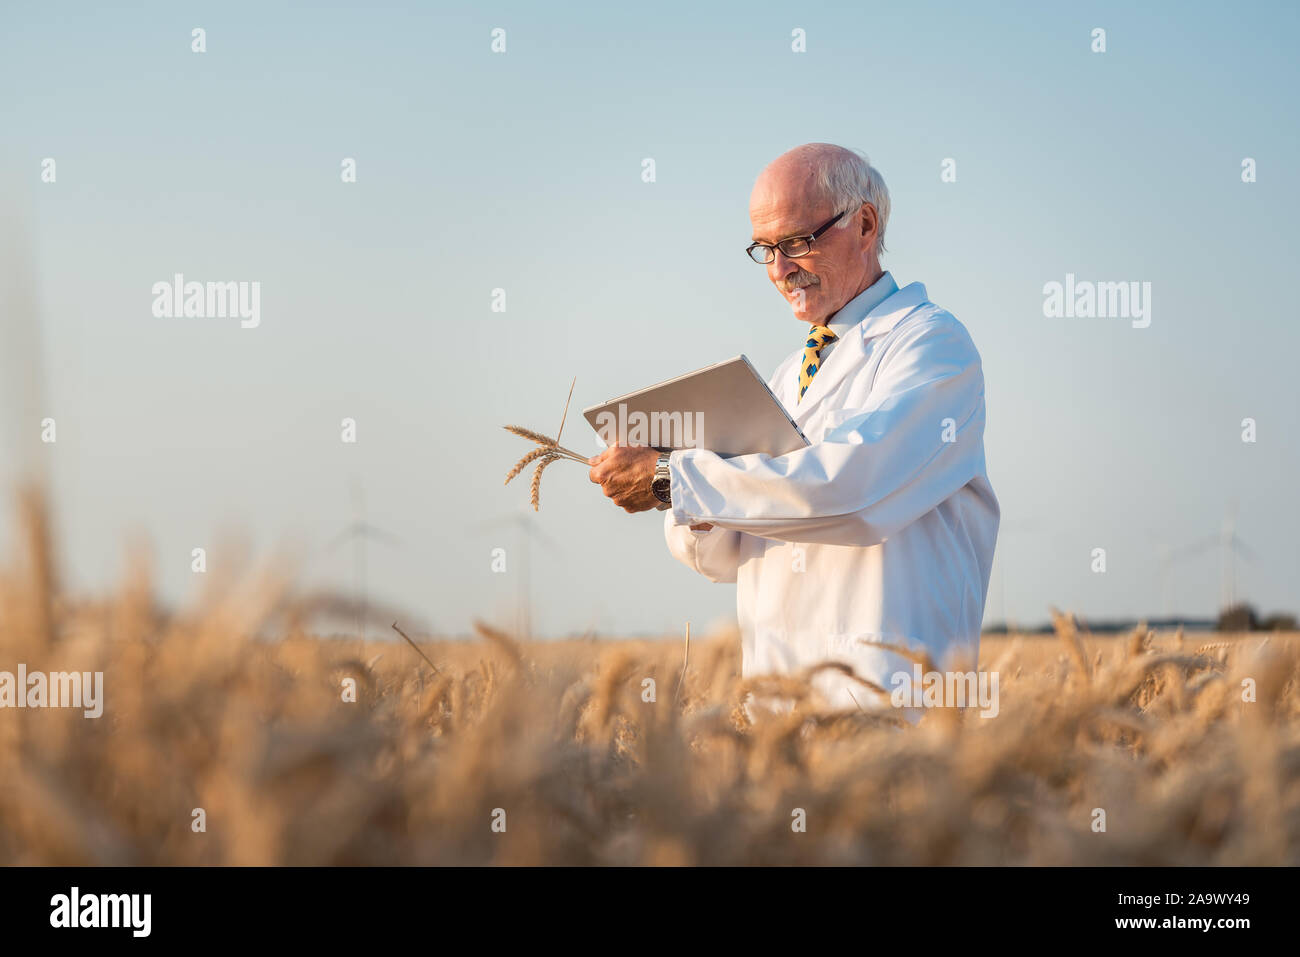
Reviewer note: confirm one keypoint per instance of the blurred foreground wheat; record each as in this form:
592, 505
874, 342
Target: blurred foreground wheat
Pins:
200, 713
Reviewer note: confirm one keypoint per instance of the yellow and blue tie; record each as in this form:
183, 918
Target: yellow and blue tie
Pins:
818, 336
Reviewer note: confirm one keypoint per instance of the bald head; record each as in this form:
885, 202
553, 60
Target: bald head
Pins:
795, 195
798, 175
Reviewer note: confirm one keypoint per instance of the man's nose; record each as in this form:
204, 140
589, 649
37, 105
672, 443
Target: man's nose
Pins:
782, 267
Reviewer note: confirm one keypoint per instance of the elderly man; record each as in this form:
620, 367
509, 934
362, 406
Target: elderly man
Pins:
880, 534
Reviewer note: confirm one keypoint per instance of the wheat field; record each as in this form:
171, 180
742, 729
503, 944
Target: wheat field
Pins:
554, 743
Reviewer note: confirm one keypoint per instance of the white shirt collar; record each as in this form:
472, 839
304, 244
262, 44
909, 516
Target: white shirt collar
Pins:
857, 308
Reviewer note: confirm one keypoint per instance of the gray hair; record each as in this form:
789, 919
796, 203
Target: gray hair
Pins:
849, 180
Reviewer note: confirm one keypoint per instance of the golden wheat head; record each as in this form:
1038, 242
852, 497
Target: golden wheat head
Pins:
537, 479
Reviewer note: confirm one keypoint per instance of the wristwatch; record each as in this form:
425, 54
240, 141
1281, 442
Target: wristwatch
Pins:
660, 485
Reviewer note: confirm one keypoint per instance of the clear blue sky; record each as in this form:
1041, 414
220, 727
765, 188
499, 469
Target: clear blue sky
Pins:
522, 171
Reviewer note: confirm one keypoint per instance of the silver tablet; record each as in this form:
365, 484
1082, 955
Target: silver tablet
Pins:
726, 408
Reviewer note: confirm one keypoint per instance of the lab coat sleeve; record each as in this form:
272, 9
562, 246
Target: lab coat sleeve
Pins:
917, 439
715, 553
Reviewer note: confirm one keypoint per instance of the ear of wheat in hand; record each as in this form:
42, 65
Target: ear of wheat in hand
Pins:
536, 453
537, 478
547, 451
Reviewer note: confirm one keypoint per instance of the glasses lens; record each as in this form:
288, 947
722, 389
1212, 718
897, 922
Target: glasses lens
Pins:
761, 254
794, 248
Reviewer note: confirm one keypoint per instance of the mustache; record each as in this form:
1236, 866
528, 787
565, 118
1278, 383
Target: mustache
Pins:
798, 280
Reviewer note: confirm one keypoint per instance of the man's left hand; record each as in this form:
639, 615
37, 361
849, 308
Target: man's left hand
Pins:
624, 473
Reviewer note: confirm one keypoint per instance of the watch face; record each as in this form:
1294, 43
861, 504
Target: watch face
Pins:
660, 487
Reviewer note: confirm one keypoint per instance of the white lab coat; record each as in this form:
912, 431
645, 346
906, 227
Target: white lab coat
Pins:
881, 531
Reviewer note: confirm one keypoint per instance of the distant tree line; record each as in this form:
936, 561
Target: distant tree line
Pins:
1238, 617
1242, 617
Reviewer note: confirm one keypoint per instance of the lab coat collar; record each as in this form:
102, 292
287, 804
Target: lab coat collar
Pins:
885, 316
857, 308
848, 354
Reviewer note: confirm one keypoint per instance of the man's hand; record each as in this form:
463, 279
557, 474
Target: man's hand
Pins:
625, 472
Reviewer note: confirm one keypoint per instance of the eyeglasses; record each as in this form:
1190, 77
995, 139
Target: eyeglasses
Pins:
794, 247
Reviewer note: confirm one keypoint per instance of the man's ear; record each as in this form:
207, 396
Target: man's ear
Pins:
868, 218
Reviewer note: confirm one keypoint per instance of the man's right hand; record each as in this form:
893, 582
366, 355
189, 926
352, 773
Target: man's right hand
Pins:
702, 527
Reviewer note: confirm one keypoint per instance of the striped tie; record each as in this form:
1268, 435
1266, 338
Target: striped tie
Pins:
818, 336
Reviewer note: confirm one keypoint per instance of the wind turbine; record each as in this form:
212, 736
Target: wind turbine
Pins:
359, 532
1168, 557
1162, 572
528, 532
1230, 546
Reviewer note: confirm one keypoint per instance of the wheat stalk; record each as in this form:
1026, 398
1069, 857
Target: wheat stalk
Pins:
547, 442
566, 410
416, 647
537, 478
536, 453
686, 657
548, 450
530, 434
